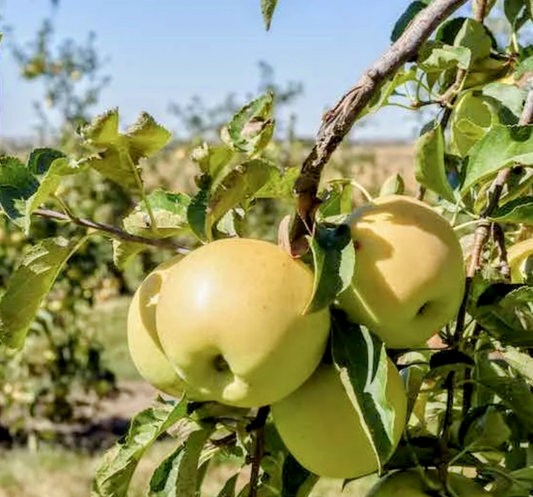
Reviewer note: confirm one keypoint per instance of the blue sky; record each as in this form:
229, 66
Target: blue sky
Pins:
169, 50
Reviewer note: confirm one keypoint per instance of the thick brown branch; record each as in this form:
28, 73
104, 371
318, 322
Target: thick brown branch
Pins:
339, 121
113, 230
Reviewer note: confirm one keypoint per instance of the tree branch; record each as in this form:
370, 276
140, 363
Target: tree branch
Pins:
258, 427
339, 120
113, 230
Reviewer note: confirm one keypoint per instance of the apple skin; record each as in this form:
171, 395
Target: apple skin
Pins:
231, 321
322, 429
143, 341
409, 275
409, 483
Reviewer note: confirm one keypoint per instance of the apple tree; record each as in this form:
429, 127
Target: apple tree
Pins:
444, 410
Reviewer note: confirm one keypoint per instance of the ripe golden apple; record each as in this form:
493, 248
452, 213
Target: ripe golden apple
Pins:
143, 342
409, 273
323, 430
409, 483
231, 320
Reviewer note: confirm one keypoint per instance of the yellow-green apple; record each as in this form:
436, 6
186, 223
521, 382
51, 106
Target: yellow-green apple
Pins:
231, 319
323, 430
409, 273
409, 483
143, 341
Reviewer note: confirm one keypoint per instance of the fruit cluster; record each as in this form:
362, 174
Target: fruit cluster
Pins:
228, 323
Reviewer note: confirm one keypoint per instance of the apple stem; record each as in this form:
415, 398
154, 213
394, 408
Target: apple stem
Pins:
257, 427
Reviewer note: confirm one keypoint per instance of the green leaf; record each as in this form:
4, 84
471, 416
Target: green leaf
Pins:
382, 96
252, 127
228, 490
50, 179
430, 170
280, 184
471, 119
267, 9
177, 475
41, 159
113, 477
443, 57
29, 284
297, 481
170, 214
413, 9
518, 211
17, 185
512, 391
488, 430
393, 185
509, 96
413, 377
336, 200
334, 263
125, 252
474, 37
513, 10
197, 214
363, 365
520, 362
120, 153
509, 318
238, 186
212, 159
501, 147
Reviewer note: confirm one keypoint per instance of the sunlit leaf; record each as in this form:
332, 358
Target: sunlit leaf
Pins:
267, 9
112, 478
430, 170
252, 127
51, 179
238, 186
212, 159
177, 475
170, 214
501, 147
29, 284
17, 185
119, 154
363, 366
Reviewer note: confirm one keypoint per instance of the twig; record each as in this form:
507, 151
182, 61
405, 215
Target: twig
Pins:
113, 230
480, 10
258, 426
339, 121
503, 176
499, 239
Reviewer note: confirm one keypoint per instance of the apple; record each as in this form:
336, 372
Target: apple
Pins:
323, 430
143, 341
409, 275
409, 483
231, 319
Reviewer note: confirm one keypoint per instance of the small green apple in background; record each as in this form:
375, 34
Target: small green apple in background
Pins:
231, 320
409, 274
410, 483
143, 342
322, 429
